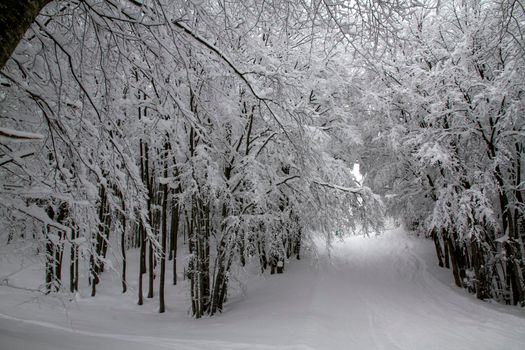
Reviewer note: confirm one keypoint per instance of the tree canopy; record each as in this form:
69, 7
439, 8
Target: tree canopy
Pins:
232, 127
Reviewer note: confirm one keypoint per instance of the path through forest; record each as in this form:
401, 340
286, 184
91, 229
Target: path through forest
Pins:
371, 293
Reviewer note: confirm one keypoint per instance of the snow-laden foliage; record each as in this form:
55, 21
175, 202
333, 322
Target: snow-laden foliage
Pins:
223, 126
453, 94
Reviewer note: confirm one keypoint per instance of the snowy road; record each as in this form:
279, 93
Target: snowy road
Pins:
394, 301
376, 293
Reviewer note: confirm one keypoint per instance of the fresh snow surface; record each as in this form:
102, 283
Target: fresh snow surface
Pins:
381, 292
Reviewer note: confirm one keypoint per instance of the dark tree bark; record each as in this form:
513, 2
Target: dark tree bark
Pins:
151, 266
297, 249
50, 256
123, 244
513, 273
453, 258
174, 229
49, 263
95, 263
439, 251
73, 261
447, 254
162, 307
242, 249
280, 266
63, 218
15, 18
263, 260
142, 233
192, 266
105, 236
478, 263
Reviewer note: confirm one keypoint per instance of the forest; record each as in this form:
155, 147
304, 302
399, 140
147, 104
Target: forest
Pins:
229, 130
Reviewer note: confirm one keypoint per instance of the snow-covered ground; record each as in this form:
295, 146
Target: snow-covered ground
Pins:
371, 293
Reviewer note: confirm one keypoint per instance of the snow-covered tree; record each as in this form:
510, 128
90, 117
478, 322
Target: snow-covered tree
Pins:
452, 94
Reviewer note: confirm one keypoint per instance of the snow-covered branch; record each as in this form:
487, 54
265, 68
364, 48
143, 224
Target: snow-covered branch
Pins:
18, 136
354, 190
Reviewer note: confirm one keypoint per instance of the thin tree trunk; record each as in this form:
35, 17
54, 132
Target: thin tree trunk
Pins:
76, 260
150, 216
192, 264
123, 244
49, 261
50, 255
242, 249
151, 270
105, 236
142, 233
162, 307
59, 254
93, 274
142, 258
174, 229
447, 254
73, 260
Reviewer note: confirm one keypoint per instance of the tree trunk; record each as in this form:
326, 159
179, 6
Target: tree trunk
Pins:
142, 262
98, 241
297, 247
219, 291
447, 254
220, 271
437, 244
76, 263
15, 18
242, 249
162, 307
63, 217
280, 266
513, 274
50, 255
478, 262
49, 261
199, 268
106, 232
453, 258
150, 217
59, 254
123, 244
174, 229
263, 260
142, 233
192, 265
73, 261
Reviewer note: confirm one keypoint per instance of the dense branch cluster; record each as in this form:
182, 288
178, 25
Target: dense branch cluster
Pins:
218, 126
